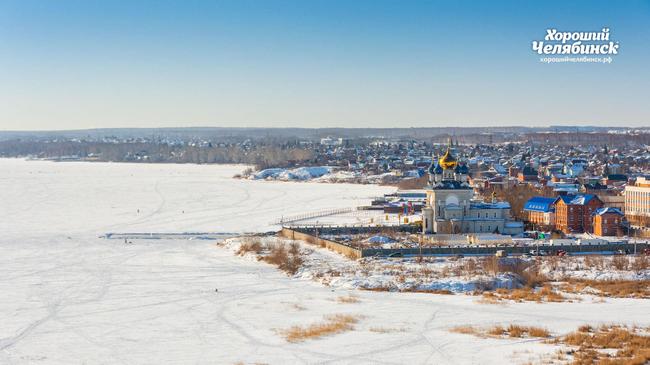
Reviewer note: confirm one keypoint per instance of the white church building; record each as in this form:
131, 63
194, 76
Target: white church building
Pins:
451, 209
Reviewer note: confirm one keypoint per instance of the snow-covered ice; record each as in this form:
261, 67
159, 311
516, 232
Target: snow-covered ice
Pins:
85, 197
69, 297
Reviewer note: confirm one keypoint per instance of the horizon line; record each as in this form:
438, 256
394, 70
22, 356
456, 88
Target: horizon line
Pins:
322, 128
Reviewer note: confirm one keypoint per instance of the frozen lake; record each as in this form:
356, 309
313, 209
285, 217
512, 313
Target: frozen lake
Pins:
76, 198
69, 297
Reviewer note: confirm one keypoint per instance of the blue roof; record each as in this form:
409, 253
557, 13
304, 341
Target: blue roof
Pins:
581, 199
602, 211
540, 204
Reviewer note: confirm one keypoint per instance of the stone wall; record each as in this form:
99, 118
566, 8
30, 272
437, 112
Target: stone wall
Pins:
344, 250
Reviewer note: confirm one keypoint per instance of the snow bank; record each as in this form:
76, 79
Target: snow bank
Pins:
321, 174
300, 174
577, 267
333, 270
380, 239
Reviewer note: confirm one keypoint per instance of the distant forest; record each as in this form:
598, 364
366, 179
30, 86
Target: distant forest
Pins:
277, 147
260, 155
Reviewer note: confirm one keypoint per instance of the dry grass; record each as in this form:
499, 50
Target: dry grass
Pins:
513, 331
289, 260
466, 330
538, 332
496, 331
541, 295
640, 263
487, 298
333, 324
595, 261
621, 263
429, 291
380, 288
250, 244
286, 259
348, 299
408, 290
528, 272
632, 347
611, 288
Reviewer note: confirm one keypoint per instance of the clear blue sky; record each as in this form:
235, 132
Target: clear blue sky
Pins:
309, 63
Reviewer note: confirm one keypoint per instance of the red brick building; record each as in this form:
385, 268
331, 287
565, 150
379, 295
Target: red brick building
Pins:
527, 174
540, 211
573, 213
607, 221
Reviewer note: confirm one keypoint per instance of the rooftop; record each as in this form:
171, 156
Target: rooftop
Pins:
540, 204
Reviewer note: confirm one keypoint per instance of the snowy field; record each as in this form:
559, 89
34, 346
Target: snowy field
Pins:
69, 297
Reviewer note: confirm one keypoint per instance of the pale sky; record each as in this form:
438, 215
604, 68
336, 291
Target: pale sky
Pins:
323, 63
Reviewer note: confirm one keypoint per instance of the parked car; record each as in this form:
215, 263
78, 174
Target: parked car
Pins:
538, 253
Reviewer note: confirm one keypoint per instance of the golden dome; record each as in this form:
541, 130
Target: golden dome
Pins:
448, 161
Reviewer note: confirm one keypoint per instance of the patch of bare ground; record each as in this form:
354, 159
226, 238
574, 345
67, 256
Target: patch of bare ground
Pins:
609, 345
512, 331
331, 325
609, 288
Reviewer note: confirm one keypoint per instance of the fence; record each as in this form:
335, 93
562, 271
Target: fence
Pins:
484, 250
310, 215
332, 229
312, 235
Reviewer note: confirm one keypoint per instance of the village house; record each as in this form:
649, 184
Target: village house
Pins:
528, 174
608, 221
573, 213
540, 211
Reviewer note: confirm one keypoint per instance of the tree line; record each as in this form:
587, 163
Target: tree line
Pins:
261, 156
